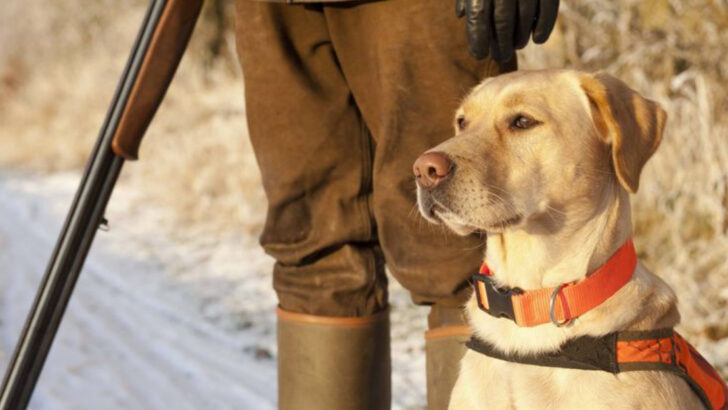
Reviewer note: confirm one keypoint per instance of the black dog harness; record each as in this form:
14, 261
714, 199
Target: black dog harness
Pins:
663, 350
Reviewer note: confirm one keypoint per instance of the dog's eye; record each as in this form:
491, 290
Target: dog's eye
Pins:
462, 123
523, 122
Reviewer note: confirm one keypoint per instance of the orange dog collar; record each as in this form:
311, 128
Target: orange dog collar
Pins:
562, 303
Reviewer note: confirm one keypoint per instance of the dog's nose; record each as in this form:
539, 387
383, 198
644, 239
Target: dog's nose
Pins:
431, 168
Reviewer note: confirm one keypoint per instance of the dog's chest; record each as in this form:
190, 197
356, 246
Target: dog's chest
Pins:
494, 384
515, 386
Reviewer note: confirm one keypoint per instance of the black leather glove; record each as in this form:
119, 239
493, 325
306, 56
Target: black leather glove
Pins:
498, 27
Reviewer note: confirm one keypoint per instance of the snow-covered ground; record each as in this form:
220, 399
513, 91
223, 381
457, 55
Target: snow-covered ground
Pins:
162, 317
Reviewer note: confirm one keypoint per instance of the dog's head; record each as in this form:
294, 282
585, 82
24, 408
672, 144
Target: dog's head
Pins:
530, 147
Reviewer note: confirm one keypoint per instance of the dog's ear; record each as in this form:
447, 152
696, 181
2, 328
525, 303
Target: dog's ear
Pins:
630, 123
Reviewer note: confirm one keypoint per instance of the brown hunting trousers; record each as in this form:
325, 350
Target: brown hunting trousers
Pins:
341, 98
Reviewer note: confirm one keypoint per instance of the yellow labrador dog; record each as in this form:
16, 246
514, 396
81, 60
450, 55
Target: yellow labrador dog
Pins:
544, 162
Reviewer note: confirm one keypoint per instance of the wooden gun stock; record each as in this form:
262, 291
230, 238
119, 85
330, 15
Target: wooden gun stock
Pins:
165, 50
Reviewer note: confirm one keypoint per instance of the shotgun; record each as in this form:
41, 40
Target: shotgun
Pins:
159, 46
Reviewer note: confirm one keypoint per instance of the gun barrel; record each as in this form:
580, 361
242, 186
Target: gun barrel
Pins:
99, 178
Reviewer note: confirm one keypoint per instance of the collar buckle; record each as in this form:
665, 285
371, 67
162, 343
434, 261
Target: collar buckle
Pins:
495, 301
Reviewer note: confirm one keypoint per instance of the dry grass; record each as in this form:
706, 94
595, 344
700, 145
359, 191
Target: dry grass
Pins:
59, 64
57, 76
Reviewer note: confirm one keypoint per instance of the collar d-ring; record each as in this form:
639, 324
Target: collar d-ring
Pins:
552, 303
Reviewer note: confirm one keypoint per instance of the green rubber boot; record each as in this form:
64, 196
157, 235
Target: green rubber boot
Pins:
332, 363
444, 348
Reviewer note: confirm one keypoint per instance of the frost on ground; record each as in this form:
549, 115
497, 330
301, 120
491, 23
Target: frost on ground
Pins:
160, 318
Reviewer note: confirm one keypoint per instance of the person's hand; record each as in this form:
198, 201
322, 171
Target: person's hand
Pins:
498, 27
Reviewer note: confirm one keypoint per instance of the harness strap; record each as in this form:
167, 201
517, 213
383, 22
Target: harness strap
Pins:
618, 352
559, 304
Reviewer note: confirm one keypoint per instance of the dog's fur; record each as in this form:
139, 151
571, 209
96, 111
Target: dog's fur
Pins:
553, 198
